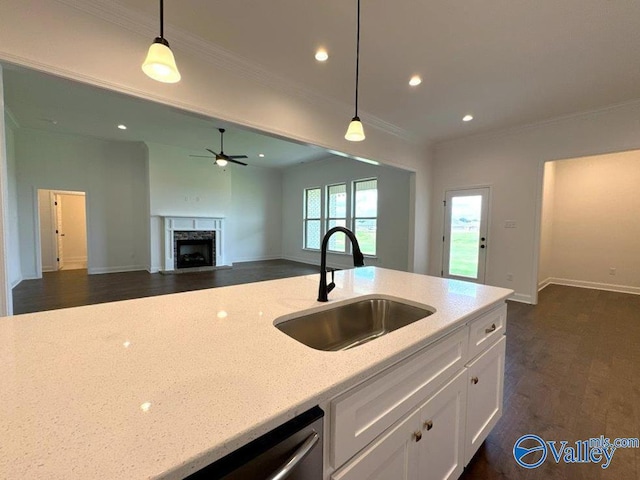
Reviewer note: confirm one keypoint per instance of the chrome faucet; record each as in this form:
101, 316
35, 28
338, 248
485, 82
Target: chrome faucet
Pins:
358, 261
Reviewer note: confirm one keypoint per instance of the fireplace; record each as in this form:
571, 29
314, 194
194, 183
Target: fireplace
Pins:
198, 255
194, 249
194, 253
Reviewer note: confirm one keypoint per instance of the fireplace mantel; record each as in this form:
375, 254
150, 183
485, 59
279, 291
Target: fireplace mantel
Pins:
172, 224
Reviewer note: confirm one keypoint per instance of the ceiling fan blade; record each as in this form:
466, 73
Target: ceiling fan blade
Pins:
236, 156
236, 161
201, 156
209, 150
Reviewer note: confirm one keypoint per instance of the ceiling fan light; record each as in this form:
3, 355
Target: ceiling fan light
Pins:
355, 132
160, 64
221, 162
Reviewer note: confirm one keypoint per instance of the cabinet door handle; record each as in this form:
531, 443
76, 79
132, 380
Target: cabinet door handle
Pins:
474, 380
490, 329
428, 424
417, 435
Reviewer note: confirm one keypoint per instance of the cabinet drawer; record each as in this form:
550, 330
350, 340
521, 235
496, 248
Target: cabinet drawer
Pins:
360, 415
485, 330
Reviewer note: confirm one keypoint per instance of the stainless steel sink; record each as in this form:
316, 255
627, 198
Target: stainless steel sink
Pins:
351, 324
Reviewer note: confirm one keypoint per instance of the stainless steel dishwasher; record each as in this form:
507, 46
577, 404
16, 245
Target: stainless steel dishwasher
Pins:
292, 451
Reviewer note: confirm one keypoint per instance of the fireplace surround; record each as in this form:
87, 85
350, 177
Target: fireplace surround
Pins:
193, 243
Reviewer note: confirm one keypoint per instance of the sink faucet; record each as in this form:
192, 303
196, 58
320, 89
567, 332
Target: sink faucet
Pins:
358, 261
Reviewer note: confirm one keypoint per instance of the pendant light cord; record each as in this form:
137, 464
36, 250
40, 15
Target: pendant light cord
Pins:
357, 56
162, 18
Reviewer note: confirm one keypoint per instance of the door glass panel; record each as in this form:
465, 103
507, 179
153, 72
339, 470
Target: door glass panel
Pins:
465, 236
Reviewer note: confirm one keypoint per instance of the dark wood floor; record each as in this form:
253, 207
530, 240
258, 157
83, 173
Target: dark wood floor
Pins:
572, 373
72, 288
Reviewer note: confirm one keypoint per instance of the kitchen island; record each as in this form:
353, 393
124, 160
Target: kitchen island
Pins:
159, 387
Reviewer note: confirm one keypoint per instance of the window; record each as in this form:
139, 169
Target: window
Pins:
312, 217
337, 215
352, 205
365, 214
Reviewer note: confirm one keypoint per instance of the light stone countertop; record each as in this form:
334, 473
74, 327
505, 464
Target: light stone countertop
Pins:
159, 387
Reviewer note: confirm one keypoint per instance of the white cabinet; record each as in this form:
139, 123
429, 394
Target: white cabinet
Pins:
425, 417
425, 445
390, 457
442, 420
484, 404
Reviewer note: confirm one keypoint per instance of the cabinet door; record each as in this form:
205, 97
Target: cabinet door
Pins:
390, 457
442, 418
485, 389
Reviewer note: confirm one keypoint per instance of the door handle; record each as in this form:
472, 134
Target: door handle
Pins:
296, 458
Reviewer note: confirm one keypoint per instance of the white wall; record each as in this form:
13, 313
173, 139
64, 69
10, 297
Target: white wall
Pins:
512, 162
394, 209
596, 222
13, 241
546, 225
212, 83
183, 186
249, 198
113, 175
256, 214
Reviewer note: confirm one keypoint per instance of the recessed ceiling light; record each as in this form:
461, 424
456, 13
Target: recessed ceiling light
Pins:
261, 155
415, 80
467, 118
122, 127
322, 55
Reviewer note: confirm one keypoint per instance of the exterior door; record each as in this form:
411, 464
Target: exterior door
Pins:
465, 234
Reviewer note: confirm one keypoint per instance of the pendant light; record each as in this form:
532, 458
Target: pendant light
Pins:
355, 132
160, 64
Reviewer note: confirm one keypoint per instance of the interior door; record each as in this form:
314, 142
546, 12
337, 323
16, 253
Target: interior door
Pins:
59, 231
465, 234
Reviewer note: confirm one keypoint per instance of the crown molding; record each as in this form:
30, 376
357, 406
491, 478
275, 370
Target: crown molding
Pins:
140, 24
503, 132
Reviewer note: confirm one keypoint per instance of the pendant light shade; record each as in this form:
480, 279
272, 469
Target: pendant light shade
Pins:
221, 162
160, 63
355, 132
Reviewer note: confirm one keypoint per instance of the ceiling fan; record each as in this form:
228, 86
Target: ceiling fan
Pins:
221, 158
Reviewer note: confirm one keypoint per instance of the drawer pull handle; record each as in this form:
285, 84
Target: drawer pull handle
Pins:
491, 329
474, 380
417, 435
428, 424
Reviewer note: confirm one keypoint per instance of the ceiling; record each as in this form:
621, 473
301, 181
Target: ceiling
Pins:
44, 102
507, 62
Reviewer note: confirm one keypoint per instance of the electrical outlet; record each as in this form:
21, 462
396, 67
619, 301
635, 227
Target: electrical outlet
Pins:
612, 271
510, 277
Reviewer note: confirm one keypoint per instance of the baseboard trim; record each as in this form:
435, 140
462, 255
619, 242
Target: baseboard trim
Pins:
545, 283
308, 262
128, 268
521, 298
256, 259
609, 287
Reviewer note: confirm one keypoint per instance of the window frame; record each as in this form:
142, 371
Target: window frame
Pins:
306, 219
355, 218
346, 218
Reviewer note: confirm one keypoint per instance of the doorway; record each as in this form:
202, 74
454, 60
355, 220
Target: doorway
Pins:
465, 234
63, 230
